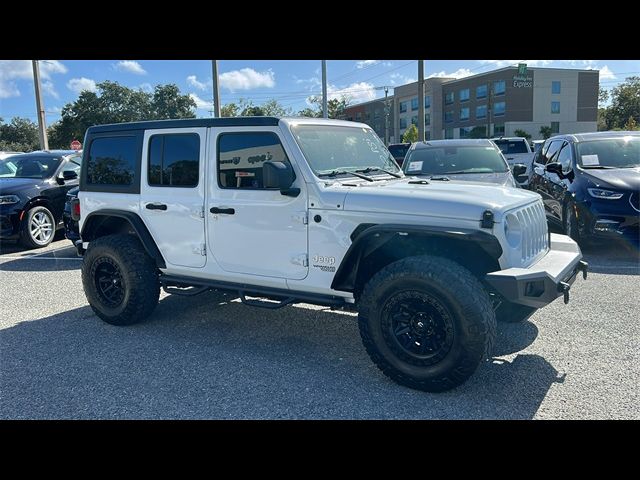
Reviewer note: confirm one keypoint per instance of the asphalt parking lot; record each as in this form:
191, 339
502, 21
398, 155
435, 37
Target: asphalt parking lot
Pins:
211, 357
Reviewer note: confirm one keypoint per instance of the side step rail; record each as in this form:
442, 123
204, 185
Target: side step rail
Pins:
268, 305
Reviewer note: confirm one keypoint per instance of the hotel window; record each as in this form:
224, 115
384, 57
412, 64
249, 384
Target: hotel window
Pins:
414, 103
555, 107
427, 119
464, 113
465, 132
481, 111
481, 91
358, 117
376, 114
414, 120
464, 95
555, 127
498, 129
403, 122
427, 101
555, 87
448, 116
403, 107
448, 133
448, 98
499, 87
498, 109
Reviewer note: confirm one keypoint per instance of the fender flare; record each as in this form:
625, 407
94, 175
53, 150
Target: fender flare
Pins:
96, 218
367, 239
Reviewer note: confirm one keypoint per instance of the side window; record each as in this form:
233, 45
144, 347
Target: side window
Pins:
241, 155
174, 160
112, 161
551, 152
564, 158
72, 165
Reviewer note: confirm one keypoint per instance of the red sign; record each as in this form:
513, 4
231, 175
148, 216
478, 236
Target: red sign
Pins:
76, 145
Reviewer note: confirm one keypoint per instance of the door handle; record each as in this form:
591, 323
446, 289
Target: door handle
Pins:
156, 206
228, 211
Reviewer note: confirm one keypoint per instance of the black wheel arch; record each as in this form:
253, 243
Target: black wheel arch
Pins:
375, 246
108, 221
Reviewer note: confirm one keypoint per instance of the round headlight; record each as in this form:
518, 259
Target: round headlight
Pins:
513, 230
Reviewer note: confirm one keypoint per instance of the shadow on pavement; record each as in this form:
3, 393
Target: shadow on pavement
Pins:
205, 357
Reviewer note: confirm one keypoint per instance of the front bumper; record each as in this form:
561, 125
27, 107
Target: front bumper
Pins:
9, 226
544, 281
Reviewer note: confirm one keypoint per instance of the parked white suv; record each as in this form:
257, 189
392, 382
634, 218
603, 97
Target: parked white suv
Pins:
317, 211
517, 151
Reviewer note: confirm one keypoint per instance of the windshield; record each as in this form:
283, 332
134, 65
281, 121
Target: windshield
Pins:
621, 152
509, 147
450, 160
398, 151
330, 148
28, 167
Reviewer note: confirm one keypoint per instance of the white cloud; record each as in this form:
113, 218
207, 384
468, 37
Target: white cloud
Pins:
399, 79
200, 103
607, 74
356, 92
247, 79
130, 66
193, 81
366, 63
78, 85
508, 63
13, 70
146, 87
460, 73
54, 110
49, 89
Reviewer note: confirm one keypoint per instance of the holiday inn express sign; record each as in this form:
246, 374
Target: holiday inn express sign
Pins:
522, 79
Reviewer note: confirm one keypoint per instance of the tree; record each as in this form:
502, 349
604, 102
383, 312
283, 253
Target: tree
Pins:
603, 96
335, 107
522, 133
625, 103
115, 103
410, 134
478, 132
21, 135
631, 124
545, 131
309, 112
229, 110
272, 108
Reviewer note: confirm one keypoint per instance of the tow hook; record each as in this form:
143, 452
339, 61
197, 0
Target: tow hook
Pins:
583, 267
564, 287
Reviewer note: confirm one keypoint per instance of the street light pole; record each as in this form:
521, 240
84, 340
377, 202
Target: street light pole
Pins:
42, 126
216, 90
325, 109
421, 100
386, 116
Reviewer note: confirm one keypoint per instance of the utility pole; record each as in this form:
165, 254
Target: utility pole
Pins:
386, 116
216, 90
489, 100
42, 126
421, 100
325, 109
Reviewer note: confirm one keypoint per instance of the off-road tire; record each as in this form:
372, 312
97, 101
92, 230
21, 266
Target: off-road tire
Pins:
26, 238
508, 312
136, 274
462, 299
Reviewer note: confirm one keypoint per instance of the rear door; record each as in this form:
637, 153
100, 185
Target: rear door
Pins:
172, 193
545, 181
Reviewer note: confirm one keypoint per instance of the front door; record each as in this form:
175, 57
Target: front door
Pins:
252, 230
172, 193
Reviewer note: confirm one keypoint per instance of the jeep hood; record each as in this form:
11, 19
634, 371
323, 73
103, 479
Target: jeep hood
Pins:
437, 199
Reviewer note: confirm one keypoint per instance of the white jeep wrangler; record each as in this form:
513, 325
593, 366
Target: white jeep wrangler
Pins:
315, 211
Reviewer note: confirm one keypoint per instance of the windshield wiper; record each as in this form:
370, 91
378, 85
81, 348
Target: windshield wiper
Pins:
374, 169
597, 166
335, 173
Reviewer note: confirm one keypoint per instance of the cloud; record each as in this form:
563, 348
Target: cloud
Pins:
49, 89
130, 66
78, 85
460, 73
200, 103
146, 87
607, 74
507, 63
356, 92
54, 110
247, 79
12, 71
193, 81
366, 63
399, 79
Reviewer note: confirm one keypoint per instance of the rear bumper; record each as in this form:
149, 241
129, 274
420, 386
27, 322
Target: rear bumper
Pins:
547, 279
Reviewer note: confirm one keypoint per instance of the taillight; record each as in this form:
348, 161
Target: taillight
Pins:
75, 209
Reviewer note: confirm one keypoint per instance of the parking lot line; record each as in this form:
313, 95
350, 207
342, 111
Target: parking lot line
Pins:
35, 257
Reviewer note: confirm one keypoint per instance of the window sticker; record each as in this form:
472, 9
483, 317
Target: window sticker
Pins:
590, 160
415, 166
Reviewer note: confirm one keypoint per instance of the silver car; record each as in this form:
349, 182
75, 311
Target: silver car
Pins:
460, 160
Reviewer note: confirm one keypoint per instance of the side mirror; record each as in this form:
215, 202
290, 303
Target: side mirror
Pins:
69, 175
554, 167
519, 169
280, 176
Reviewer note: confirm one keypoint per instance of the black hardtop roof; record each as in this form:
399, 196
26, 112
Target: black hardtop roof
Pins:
187, 123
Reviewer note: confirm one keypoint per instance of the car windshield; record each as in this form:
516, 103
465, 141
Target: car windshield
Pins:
509, 147
454, 160
28, 167
621, 152
331, 148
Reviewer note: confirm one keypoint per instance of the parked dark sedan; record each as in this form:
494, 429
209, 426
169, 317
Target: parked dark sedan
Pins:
590, 183
33, 188
71, 228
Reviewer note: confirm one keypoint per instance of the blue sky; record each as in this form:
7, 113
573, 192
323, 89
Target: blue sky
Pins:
291, 82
